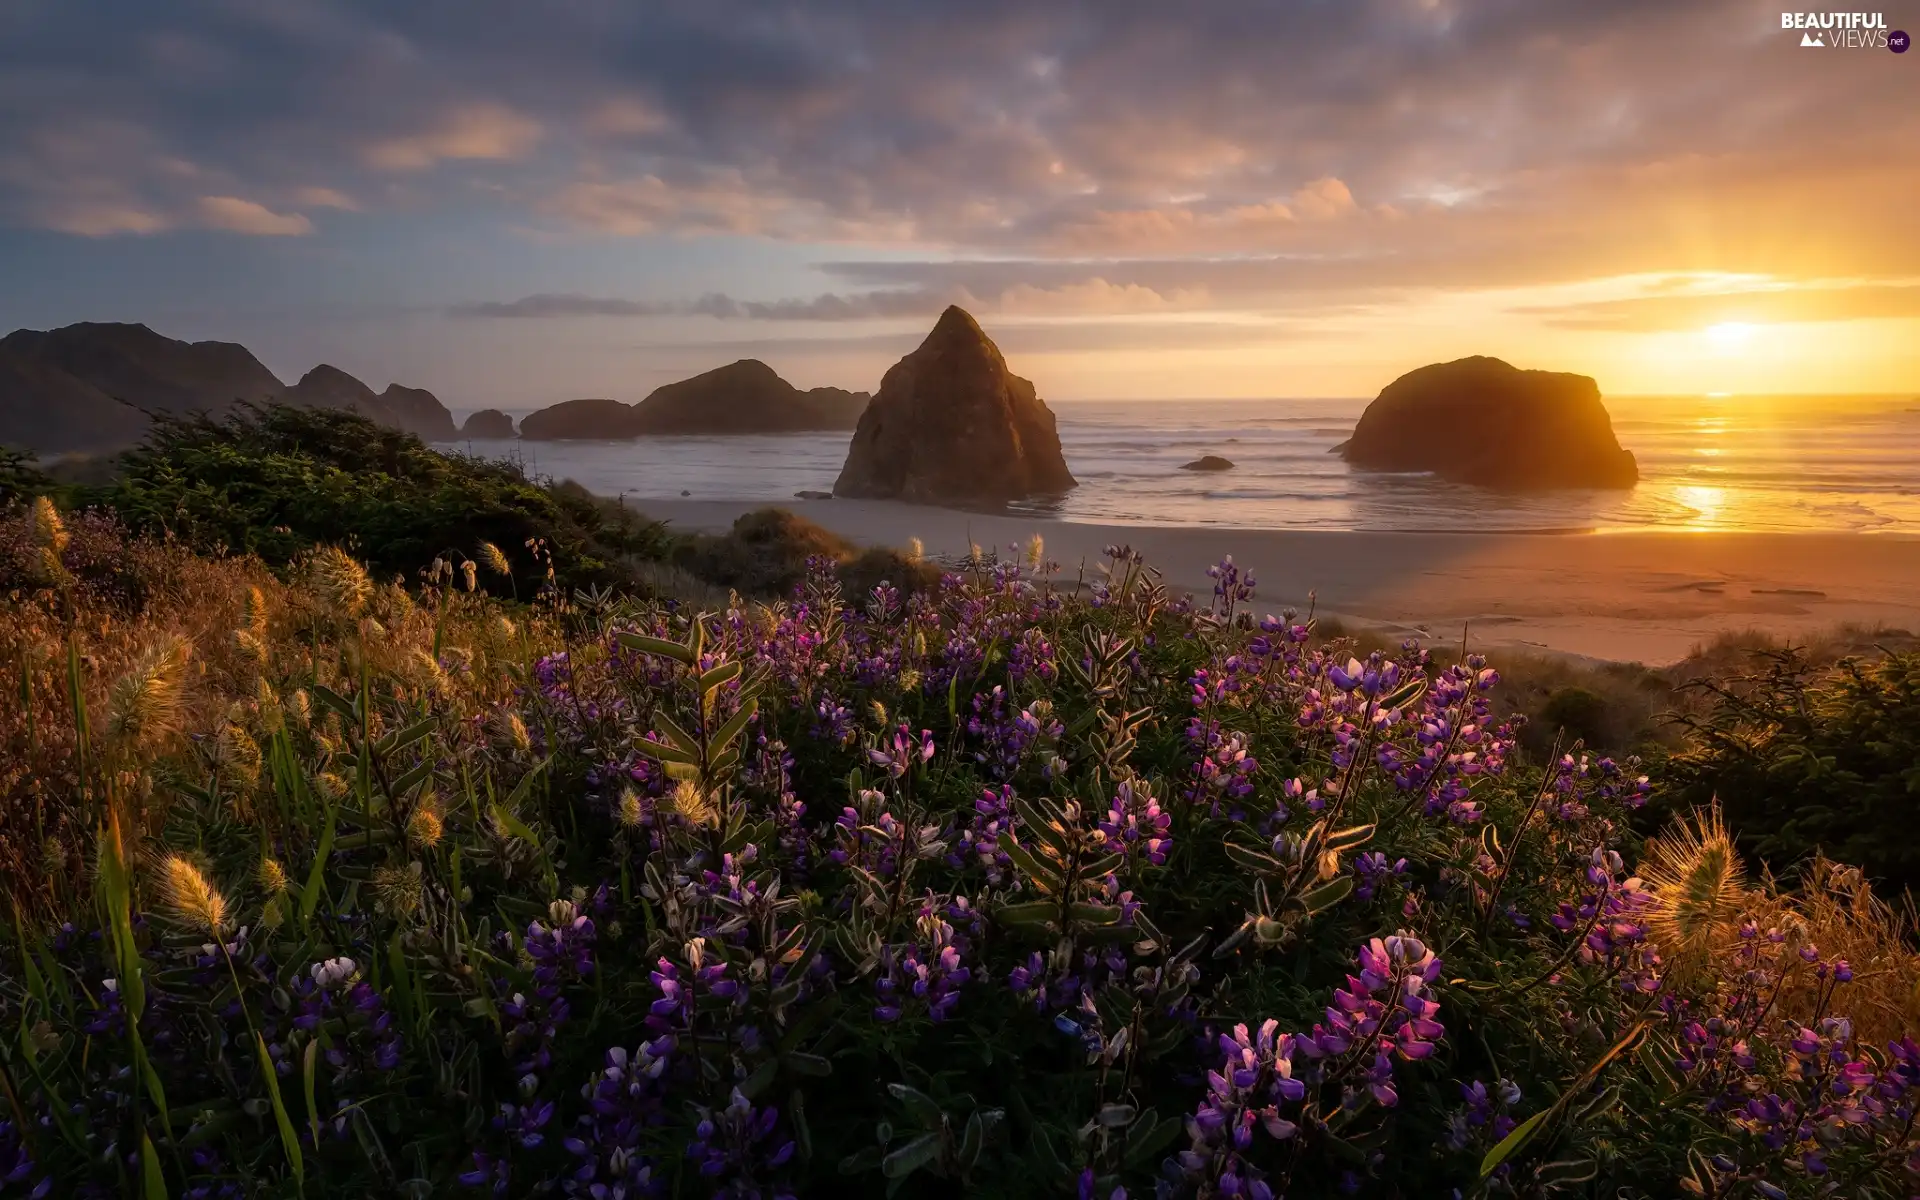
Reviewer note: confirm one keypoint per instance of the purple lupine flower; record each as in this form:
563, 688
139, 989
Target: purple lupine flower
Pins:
1135, 825
738, 1147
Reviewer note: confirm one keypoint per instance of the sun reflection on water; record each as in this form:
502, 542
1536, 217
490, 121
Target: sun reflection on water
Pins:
1706, 503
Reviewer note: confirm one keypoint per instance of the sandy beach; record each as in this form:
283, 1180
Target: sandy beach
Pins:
1645, 597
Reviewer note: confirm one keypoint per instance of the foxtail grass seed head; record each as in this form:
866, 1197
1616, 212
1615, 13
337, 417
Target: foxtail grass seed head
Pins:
190, 898
399, 890
513, 731
916, 550
1036, 552
300, 708
256, 613
250, 644
505, 628
631, 813
341, 583
49, 531
693, 803
271, 876
1699, 891
52, 569
427, 672
424, 828
146, 703
238, 756
494, 559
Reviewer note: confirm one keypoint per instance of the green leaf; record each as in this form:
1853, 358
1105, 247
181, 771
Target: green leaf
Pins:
1035, 912
308, 1070
921, 1105
718, 677
1327, 894
153, 1185
1094, 914
514, 825
658, 646
316, 874
329, 698
402, 738
911, 1157
687, 743
1043, 876
809, 1064
724, 736
761, 1079
1253, 860
414, 777
663, 752
802, 1132
289, 1140
1346, 839
1512, 1144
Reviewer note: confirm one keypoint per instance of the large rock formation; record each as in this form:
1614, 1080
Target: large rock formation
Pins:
488, 423
582, 420
89, 388
741, 397
415, 410
746, 397
1481, 421
951, 424
83, 387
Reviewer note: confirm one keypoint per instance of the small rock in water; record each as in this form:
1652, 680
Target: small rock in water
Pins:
1209, 462
811, 494
685, 492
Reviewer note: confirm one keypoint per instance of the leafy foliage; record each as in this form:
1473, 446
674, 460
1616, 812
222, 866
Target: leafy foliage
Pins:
342, 888
279, 480
1808, 760
20, 476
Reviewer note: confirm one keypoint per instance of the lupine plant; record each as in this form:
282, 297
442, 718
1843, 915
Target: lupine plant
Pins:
1020, 886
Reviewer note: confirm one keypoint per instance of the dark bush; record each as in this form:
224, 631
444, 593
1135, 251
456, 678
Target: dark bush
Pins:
767, 551
277, 481
1804, 759
20, 476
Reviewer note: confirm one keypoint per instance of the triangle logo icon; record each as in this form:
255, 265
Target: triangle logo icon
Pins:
1812, 39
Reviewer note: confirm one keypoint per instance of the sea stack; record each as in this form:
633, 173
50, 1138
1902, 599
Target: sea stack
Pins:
1482, 421
488, 423
952, 425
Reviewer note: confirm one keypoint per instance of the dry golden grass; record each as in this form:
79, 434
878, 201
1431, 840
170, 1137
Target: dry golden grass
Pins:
169, 642
1834, 909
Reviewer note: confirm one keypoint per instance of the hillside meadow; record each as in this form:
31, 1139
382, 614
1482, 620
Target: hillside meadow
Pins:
587, 867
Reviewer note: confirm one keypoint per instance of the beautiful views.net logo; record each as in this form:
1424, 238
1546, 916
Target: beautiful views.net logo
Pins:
1845, 30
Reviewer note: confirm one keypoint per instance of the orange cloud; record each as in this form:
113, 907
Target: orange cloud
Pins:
476, 131
236, 215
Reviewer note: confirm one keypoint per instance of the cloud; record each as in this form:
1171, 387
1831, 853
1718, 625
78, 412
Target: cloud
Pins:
1777, 303
236, 215
1455, 144
325, 197
547, 304
475, 131
1094, 296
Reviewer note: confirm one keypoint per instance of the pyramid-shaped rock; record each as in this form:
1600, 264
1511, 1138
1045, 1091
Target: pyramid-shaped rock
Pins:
951, 424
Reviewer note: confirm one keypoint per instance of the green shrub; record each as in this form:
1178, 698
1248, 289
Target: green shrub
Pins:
277, 481
1803, 759
767, 551
20, 476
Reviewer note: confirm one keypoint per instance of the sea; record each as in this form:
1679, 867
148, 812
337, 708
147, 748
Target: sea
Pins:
1718, 462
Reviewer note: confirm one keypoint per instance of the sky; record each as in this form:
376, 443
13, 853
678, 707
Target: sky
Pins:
514, 203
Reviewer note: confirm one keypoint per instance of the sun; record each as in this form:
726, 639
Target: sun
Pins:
1730, 335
